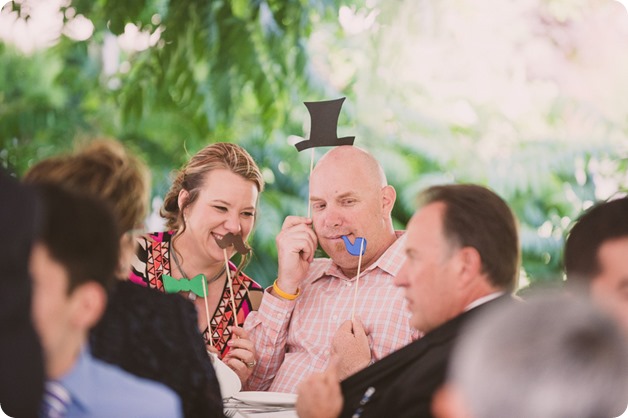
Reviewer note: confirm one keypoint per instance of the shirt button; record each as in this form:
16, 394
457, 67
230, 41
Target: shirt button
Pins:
334, 317
349, 284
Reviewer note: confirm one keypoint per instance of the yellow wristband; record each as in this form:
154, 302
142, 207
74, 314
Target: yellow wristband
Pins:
283, 294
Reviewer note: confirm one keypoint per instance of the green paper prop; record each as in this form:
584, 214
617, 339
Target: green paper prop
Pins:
195, 284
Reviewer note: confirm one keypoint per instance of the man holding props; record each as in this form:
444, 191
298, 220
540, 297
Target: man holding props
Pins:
307, 314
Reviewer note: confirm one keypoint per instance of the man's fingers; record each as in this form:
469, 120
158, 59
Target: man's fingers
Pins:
346, 327
300, 240
297, 236
305, 246
291, 221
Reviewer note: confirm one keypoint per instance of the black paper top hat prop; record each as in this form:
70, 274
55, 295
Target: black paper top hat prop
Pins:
324, 117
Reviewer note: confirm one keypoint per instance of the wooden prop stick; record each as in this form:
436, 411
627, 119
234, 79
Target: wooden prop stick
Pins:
209, 324
229, 280
309, 203
357, 281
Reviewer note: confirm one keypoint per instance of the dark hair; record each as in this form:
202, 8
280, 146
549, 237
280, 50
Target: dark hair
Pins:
603, 222
80, 233
477, 217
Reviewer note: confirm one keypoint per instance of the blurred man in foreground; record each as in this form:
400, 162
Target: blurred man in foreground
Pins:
551, 358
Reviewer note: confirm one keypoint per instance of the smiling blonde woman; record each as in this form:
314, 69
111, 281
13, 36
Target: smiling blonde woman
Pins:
214, 194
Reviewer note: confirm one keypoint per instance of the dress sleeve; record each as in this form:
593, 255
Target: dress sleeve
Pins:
255, 298
268, 329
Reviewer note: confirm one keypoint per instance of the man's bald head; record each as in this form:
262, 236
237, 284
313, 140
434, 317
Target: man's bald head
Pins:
356, 158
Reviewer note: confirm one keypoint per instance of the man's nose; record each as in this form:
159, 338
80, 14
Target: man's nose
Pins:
333, 217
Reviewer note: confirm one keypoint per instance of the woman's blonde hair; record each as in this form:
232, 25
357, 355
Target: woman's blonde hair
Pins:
105, 169
221, 155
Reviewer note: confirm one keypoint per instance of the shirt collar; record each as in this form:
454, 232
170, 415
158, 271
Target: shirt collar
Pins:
387, 261
483, 300
78, 380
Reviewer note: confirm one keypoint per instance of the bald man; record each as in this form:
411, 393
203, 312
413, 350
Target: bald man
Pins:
305, 317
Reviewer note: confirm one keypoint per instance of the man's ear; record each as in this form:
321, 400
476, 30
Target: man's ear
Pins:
470, 264
89, 301
389, 195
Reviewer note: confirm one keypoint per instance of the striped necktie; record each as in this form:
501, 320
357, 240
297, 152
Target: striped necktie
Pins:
56, 400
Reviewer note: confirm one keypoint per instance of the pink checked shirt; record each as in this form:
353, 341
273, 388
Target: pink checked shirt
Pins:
293, 338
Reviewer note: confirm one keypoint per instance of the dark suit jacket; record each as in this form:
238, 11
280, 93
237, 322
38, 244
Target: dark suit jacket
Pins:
21, 365
155, 335
406, 380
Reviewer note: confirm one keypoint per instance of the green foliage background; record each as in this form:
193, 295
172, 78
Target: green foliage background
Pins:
239, 71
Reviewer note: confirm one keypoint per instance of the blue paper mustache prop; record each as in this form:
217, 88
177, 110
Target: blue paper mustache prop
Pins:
354, 249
